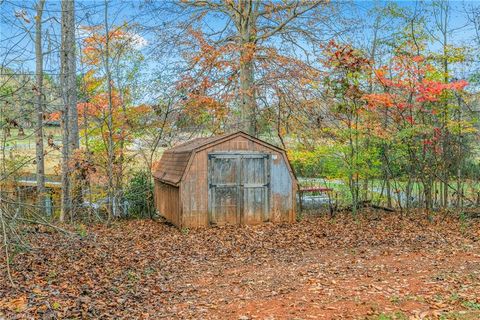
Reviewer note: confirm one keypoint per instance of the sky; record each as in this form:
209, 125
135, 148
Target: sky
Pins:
17, 23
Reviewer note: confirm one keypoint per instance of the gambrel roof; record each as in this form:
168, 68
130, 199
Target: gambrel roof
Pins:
175, 161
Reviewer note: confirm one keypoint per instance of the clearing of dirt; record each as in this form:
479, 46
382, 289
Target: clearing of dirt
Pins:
385, 267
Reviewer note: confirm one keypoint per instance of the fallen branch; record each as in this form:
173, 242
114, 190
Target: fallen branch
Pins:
9, 228
367, 204
46, 224
374, 206
5, 243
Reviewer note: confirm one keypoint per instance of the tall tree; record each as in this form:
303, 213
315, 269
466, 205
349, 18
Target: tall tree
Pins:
39, 102
111, 144
441, 13
347, 68
69, 120
415, 95
71, 74
442, 31
244, 46
111, 56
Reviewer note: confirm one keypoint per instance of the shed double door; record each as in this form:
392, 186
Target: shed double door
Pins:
239, 188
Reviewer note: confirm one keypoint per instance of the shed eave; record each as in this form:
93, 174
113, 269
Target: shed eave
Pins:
171, 183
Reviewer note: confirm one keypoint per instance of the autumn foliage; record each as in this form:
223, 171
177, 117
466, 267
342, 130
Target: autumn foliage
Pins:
414, 96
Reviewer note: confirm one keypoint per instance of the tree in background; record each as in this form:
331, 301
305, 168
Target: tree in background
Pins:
259, 66
69, 117
449, 56
346, 85
238, 64
414, 100
111, 56
39, 102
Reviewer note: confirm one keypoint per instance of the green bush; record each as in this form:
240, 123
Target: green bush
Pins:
139, 195
320, 162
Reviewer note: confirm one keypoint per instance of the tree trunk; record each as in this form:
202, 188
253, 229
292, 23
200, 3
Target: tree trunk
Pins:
74, 138
66, 200
447, 161
427, 190
353, 170
39, 100
246, 26
112, 202
69, 7
69, 121
389, 191
247, 94
408, 193
121, 159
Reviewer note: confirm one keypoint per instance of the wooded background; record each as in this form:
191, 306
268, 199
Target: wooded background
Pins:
377, 100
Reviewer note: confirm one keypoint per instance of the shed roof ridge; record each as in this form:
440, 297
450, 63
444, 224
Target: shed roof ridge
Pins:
200, 142
248, 136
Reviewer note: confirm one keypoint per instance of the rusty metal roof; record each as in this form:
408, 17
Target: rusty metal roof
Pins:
173, 164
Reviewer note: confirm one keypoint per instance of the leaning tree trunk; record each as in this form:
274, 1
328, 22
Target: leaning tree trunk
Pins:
39, 100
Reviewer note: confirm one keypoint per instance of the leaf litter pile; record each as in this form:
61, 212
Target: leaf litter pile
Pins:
382, 268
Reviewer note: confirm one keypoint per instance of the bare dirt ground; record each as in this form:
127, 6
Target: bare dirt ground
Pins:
369, 268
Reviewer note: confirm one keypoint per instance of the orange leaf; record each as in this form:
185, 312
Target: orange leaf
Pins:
17, 305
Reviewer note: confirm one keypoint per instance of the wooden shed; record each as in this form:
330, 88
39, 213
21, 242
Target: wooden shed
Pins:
228, 179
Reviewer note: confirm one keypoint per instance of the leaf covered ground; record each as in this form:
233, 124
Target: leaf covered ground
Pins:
367, 268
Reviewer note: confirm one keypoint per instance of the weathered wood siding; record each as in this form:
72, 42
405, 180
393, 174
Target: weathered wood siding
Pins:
167, 202
194, 187
283, 192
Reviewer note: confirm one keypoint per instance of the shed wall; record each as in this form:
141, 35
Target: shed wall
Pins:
167, 202
194, 187
283, 199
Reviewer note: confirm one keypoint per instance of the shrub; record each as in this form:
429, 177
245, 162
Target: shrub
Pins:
320, 162
139, 195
